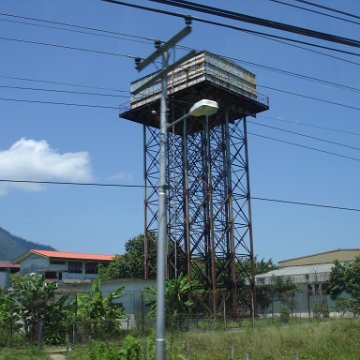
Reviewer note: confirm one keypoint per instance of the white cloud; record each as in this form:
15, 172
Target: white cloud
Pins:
35, 160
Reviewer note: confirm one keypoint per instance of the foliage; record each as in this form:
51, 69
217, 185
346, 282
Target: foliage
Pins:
9, 318
321, 311
101, 313
102, 351
344, 286
131, 264
281, 289
177, 302
331, 340
39, 309
130, 349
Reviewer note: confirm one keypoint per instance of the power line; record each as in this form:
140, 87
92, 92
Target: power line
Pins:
259, 21
310, 97
114, 185
62, 91
71, 183
130, 56
62, 83
58, 103
328, 8
315, 11
293, 74
305, 147
75, 26
252, 32
144, 39
311, 125
238, 60
67, 47
306, 136
119, 36
290, 202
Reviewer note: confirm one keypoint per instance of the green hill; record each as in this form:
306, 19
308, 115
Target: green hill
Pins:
12, 246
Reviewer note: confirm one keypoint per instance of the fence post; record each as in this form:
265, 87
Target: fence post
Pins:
298, 355
232, 352
67, 342
247, 356
187, 347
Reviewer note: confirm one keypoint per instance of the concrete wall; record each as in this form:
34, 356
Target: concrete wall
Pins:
4, 279
133, 301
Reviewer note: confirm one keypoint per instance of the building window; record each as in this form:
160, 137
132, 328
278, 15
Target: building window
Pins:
57, 262
91, 268
75, 267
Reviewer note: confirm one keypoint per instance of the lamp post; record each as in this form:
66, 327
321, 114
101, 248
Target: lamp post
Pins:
203, 107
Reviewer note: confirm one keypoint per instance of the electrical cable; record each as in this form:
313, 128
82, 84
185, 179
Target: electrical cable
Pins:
144, 39
290, 202
306, 136
62, 83
310, 125
104, 185
305, 147
259, 21
71, 183
328, 8
76, 26
58, 103
234, 59
68, 47
252, 32
315, 11
62, 91
310, 97
117, 37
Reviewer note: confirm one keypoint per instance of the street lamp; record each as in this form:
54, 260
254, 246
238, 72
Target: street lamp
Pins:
203, 107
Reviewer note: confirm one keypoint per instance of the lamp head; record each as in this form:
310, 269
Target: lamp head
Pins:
204, 107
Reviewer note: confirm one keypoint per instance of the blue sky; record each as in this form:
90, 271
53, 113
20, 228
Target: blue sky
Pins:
68, 143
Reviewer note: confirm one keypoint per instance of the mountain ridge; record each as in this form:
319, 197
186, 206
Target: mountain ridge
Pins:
12, 246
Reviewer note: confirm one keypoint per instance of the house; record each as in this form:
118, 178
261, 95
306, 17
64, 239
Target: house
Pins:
7, 268
311, 274
62, 266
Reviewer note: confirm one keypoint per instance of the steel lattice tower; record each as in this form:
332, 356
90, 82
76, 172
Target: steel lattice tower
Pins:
209, 209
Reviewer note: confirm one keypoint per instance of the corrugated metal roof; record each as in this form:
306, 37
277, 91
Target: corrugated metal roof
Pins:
64, 255
72, 255
341, 255
8, 264
298, 270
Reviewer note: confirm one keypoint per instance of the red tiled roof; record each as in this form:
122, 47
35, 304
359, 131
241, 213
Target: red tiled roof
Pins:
72, 255
8, 264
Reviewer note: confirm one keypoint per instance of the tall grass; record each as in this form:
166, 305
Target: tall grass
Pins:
23, 354
315, 340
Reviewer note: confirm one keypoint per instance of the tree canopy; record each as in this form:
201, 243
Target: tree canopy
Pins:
344, 286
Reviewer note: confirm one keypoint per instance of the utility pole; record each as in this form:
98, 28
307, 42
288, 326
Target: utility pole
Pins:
162, 50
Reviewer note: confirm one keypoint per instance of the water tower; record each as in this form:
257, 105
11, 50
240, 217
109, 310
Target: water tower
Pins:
208, 197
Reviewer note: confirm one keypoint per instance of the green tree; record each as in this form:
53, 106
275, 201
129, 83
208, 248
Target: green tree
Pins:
177, 302
9, 318
131, 264
98, 311
43, 313
344, 286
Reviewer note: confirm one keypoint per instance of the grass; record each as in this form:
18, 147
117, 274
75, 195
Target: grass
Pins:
316, 340
30, 353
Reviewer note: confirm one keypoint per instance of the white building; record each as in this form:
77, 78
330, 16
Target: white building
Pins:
311, 274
